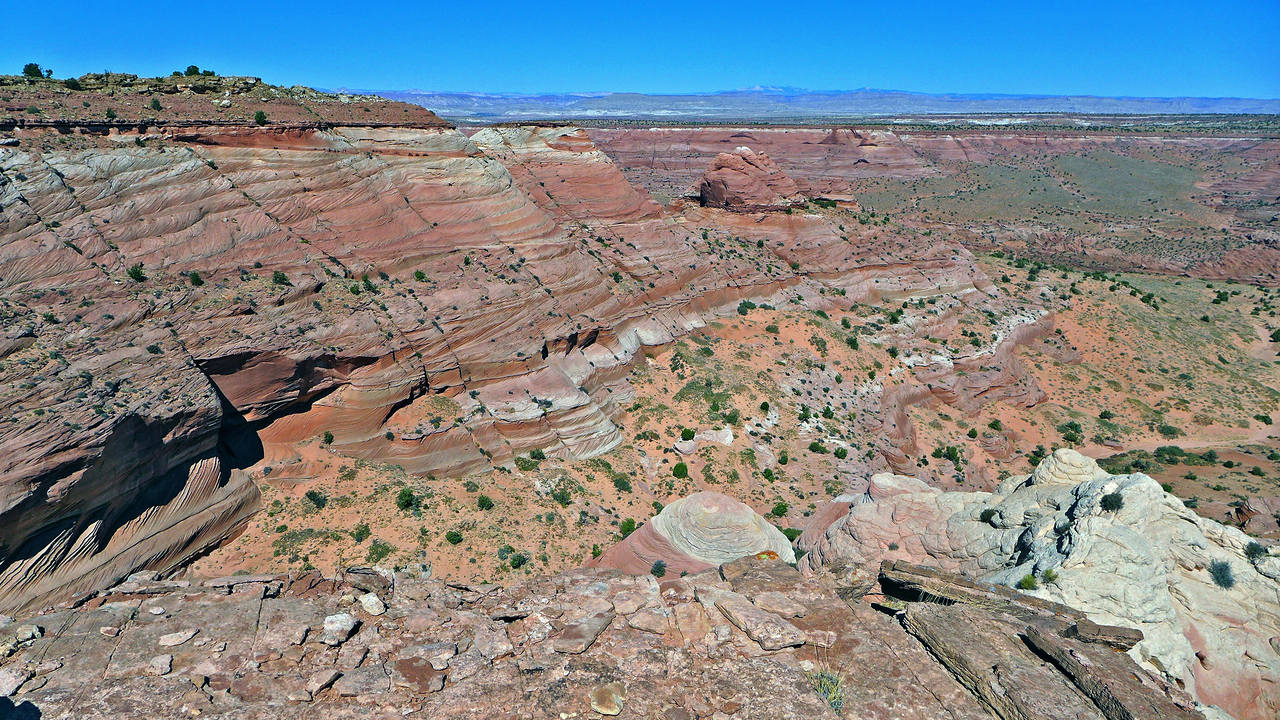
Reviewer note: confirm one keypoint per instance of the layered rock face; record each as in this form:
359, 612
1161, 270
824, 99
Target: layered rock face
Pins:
745, 181
1116, 547
748, 639
847, 163
695, 533
181, 303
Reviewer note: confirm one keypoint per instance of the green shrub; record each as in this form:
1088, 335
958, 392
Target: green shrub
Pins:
194, 278
829, 687
136, 273
1050, 575
659, 568
317, 498
71, 84
1112, 502
841, 453
783, 458
1254, 551
406, 500
537, 455
1028, 582
627, 527
779, 509
526, 464
484, 502
764, 406
792, 533
419, 275
328, 438
518, 560
686, 434
987, 515
1221, 573
817, 447
361, 532
280, 278
745, 307
453, 537
378, 551
621, 483
680, 470
155, 104
259, 118
110, 114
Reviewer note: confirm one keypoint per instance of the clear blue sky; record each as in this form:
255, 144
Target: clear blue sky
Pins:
1221, 48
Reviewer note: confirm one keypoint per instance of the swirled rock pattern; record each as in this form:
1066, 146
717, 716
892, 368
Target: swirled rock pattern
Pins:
697, 532
216, 293
1149, 563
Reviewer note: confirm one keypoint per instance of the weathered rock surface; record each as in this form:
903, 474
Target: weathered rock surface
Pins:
746, 181
695, 533
349, 278
1144, 565
721, 659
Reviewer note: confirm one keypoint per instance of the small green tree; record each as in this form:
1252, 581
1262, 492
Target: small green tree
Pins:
406, 500
779, 509
453, 537
680, 470
155, 104
111, 114
32, 70
279, 278
659, 568
627, 527
260, 118
317, 498
484, 502
328, 438
195, 279
192, 71
136, 273
686, 434
1028, 582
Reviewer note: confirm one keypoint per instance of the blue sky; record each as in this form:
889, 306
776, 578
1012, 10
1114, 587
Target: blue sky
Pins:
1223, 48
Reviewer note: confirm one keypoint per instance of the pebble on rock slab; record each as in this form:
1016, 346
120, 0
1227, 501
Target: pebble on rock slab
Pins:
608, 699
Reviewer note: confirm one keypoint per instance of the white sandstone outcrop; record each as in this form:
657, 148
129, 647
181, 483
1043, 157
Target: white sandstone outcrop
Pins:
1144, 565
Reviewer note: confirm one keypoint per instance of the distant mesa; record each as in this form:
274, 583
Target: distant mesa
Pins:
747, 181
695, 533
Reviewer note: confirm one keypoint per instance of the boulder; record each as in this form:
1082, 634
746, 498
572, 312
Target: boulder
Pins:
746, 181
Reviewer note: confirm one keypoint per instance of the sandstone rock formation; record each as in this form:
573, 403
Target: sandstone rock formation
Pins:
1149, 563
833, 163
695, 533
745, 181
185, 298
750, 639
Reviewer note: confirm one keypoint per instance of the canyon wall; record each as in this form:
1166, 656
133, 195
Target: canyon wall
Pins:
181, 301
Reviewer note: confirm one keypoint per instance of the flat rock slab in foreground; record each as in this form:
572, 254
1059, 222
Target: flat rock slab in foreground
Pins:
713, 644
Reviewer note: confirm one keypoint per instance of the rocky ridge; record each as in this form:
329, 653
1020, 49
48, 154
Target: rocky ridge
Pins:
751, 638
1115, 547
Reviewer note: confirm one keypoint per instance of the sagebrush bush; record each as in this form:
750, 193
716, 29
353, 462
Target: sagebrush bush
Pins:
1220, 571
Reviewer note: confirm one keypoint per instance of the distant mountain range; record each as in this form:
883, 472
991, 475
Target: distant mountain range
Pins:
791, 103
